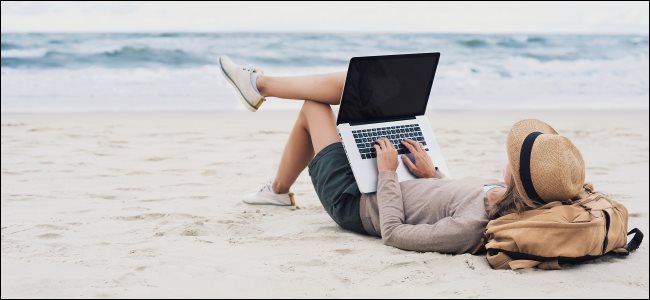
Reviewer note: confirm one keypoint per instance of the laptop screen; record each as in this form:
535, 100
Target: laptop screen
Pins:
389, 87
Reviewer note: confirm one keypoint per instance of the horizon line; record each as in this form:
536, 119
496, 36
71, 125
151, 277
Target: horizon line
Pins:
321, 32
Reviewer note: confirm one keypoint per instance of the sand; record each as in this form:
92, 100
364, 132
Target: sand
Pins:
148, 205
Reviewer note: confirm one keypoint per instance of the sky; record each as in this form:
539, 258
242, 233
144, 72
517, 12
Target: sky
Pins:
470, 17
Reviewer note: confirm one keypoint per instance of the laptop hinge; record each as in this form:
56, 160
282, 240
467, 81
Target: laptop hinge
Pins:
382, 121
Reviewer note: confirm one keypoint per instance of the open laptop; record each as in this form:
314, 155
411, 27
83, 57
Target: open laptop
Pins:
386, 96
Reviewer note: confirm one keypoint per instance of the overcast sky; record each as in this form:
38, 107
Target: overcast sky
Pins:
495, 17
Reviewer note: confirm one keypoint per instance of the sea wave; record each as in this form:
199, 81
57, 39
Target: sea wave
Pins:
9, 46
124, 57
473, 43
180, 50
171, 71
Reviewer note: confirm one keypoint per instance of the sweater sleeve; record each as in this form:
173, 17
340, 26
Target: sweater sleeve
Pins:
448, 235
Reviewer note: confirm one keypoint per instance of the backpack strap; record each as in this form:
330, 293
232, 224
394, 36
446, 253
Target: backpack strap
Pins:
526, 264
636, 240
551, 205
632, 245
501, 261
480, 246
523, 264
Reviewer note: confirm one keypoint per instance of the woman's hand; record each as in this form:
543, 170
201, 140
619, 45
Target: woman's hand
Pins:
386, 155
423, 166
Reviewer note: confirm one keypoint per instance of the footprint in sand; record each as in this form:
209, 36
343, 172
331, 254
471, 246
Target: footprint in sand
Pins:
209, 173
345, 251
147, 252
50, 231
154, 200
287, 268
39, 129
469, 264
51, 227
157, 158
106, 197
192, 232
314, 263
196, 229
272, 132
143, 217
49, 236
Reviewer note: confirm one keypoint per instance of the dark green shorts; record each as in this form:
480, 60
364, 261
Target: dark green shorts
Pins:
336, 188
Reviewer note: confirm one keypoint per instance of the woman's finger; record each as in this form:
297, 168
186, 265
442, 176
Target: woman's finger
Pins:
409, 146
409, 164
389, 144
415, 145
378, 143
384, 143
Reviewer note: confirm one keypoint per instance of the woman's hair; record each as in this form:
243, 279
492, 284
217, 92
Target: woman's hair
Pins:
512, 202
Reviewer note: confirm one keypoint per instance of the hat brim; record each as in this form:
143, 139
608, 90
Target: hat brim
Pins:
516, 137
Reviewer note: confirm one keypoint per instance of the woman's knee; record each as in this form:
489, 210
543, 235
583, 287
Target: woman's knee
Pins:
310, 107
314, 112
320, 124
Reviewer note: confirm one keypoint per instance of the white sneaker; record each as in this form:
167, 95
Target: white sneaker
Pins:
240, 78
266, 196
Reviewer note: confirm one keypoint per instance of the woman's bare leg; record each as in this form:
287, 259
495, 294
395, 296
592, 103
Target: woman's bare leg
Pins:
314, 129
325, 88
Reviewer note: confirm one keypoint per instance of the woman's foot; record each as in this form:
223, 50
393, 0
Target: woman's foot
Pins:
266, 196
243, 79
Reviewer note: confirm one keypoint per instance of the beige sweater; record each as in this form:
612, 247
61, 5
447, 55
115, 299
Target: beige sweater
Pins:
434, 214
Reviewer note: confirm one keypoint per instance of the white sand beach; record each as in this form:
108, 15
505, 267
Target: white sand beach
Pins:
148, 205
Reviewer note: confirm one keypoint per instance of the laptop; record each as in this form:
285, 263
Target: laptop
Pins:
386, 96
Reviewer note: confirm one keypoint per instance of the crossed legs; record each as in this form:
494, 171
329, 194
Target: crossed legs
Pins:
315, 127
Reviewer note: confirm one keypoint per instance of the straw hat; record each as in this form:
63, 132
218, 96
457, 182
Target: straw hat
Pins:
545, 165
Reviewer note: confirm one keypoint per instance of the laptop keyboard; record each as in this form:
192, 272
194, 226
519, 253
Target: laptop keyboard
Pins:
365, 138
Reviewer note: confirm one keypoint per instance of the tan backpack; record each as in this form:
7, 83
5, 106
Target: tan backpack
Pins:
587, 227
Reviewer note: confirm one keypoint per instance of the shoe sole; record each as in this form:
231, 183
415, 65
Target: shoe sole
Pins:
291, 199
239, 92
271, 204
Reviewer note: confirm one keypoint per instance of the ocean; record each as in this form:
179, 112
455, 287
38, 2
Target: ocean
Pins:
63, 72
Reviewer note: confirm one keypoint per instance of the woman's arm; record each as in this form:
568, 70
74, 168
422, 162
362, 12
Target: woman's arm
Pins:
448, 235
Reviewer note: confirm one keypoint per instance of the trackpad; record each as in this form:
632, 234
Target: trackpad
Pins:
403, 172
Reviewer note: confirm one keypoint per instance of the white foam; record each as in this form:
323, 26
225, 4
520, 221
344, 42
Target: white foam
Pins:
514, 83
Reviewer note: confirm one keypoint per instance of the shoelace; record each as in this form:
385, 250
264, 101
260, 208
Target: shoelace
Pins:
252, 69
267, 186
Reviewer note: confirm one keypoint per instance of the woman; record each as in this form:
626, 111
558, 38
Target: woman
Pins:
431, 213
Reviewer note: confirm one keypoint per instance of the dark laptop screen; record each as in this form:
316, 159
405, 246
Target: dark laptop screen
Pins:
387, 87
